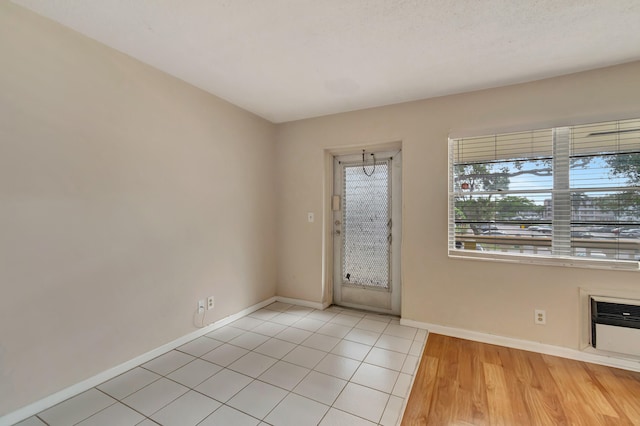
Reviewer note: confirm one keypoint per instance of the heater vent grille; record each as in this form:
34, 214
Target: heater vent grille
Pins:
615, 325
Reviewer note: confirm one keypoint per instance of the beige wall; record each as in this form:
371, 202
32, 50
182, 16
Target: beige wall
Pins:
125, 196
489, 297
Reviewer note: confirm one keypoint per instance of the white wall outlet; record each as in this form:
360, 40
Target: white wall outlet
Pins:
201, 306
210, 302
310, 217
540, 317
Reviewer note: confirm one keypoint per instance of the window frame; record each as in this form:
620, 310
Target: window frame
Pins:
562, 190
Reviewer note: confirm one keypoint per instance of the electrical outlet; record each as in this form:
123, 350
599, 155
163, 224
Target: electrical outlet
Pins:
201, 306
540, 317
210, 302
310, 217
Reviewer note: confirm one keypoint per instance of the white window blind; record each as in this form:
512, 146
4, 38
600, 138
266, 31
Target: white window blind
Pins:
567, 195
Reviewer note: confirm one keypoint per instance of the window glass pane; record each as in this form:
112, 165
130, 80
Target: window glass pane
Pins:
605, 171
605, 224
506, 223
605, 207
508, 191
518, 175
520, 209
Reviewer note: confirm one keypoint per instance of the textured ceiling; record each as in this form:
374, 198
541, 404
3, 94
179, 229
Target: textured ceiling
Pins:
291, 59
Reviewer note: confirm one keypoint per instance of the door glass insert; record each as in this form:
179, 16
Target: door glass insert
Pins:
366, 226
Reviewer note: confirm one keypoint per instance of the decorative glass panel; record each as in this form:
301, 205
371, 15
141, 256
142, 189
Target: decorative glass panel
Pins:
366, 226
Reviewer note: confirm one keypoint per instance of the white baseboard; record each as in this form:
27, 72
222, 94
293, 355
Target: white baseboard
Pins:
58, 397
300, 302
527, 345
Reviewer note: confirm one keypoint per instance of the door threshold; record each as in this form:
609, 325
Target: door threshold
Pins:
366, 309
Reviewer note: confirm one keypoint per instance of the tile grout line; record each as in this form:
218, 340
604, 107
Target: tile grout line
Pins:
350, 326
118, 401
326, 355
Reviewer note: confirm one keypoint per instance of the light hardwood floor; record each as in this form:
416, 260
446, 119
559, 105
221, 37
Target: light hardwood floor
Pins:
461, 382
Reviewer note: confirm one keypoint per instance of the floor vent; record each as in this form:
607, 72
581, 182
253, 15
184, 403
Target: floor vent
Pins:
615, 325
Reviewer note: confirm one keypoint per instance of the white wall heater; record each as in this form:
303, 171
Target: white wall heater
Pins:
615, 325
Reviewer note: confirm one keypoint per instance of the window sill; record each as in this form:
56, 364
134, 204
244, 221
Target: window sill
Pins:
572, 262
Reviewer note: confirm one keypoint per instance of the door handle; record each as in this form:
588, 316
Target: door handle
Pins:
337, 232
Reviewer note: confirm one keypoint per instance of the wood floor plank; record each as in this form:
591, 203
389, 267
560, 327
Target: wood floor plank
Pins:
576, 409
517, 383
419, 402
523, 368
490, 354
443, 404
437, 346
498, 396
621, 391
543, 409
471, 398
460, 382
578, 387
542, 398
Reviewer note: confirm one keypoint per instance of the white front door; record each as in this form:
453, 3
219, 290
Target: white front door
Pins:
366, 231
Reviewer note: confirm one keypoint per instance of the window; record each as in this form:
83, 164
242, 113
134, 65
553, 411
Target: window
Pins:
567, 195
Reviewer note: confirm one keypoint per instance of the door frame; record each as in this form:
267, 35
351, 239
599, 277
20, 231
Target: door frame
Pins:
327, 240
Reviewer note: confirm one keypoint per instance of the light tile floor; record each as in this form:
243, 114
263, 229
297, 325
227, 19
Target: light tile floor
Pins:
281, 365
